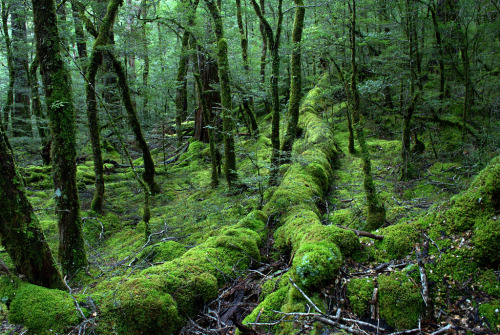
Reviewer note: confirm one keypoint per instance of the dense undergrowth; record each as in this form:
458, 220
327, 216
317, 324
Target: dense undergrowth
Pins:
205, 240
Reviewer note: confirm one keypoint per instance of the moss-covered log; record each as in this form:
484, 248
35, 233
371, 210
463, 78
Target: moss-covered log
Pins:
159, 299
20, 232
58, 97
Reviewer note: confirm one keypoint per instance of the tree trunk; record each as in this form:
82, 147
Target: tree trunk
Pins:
36, 106
81, 42
7, 109
61, 113
376, 211
264, 45
274, 44
21, 119
295, 82
20, 231
181, 103
227, 122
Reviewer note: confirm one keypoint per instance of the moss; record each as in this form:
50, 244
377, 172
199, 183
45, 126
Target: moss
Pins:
316, 264
346, 240
43, 310
274, 284
486, 246
272, 302
167, 251
479, 202
491, 312
360, 292
400, 301
139, 306
488, 282
399, 240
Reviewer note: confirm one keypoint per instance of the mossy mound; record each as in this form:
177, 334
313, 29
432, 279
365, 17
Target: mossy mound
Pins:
140, 306
491, 313
486, 242
400, 301
42, 310
360, 293
399, 240
316, 264
479, 202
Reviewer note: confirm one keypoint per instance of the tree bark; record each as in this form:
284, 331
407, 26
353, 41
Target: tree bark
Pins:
227, 122
56, 80
376, 211
36, 106
21, 119
20, 231
274, 44
7, 109
295, 82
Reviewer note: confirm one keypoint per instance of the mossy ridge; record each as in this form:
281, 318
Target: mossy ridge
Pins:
177, 289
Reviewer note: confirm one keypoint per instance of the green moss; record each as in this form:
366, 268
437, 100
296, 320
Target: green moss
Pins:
491, 312
167, 251
316, 264
274, 284
400, 301
272, 302
486, 246
42, 310
479, 202
399, 240
139, 306
488, 282
360, 293
346, 240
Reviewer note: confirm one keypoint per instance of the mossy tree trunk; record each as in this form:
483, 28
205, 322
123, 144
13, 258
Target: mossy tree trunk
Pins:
263, 54
20, 231
145, 72
295, 82
81, 42
227, 121
58, 97
36, 106
274, 44
21, 118
376, 211
7, 109
247, 101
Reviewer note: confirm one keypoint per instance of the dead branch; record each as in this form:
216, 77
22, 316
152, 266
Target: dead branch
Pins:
363, 233
442, 330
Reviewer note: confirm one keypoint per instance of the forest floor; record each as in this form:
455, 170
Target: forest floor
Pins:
188, 210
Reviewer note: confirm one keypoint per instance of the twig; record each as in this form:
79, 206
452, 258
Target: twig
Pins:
442, 330
306, 297
341, 326
77, 305
409, 331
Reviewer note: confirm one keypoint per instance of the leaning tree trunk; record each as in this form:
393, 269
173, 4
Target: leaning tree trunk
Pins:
295, 82
20, 231
227, 122
376, 211
58, 97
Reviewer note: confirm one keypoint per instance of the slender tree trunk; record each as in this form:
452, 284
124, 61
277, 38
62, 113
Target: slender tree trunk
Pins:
376, 211
247, 104
7, 110
81, 42
21, 119
56, 80
439, 46
295, 82
36, 106
274, 44
145, 71
181, 103
20, 231
263, 54
227, 121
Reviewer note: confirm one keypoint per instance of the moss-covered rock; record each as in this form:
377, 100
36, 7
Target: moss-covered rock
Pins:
400, 301
42, 310
360, 293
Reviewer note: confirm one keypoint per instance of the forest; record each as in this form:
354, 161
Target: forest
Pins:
256, 167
